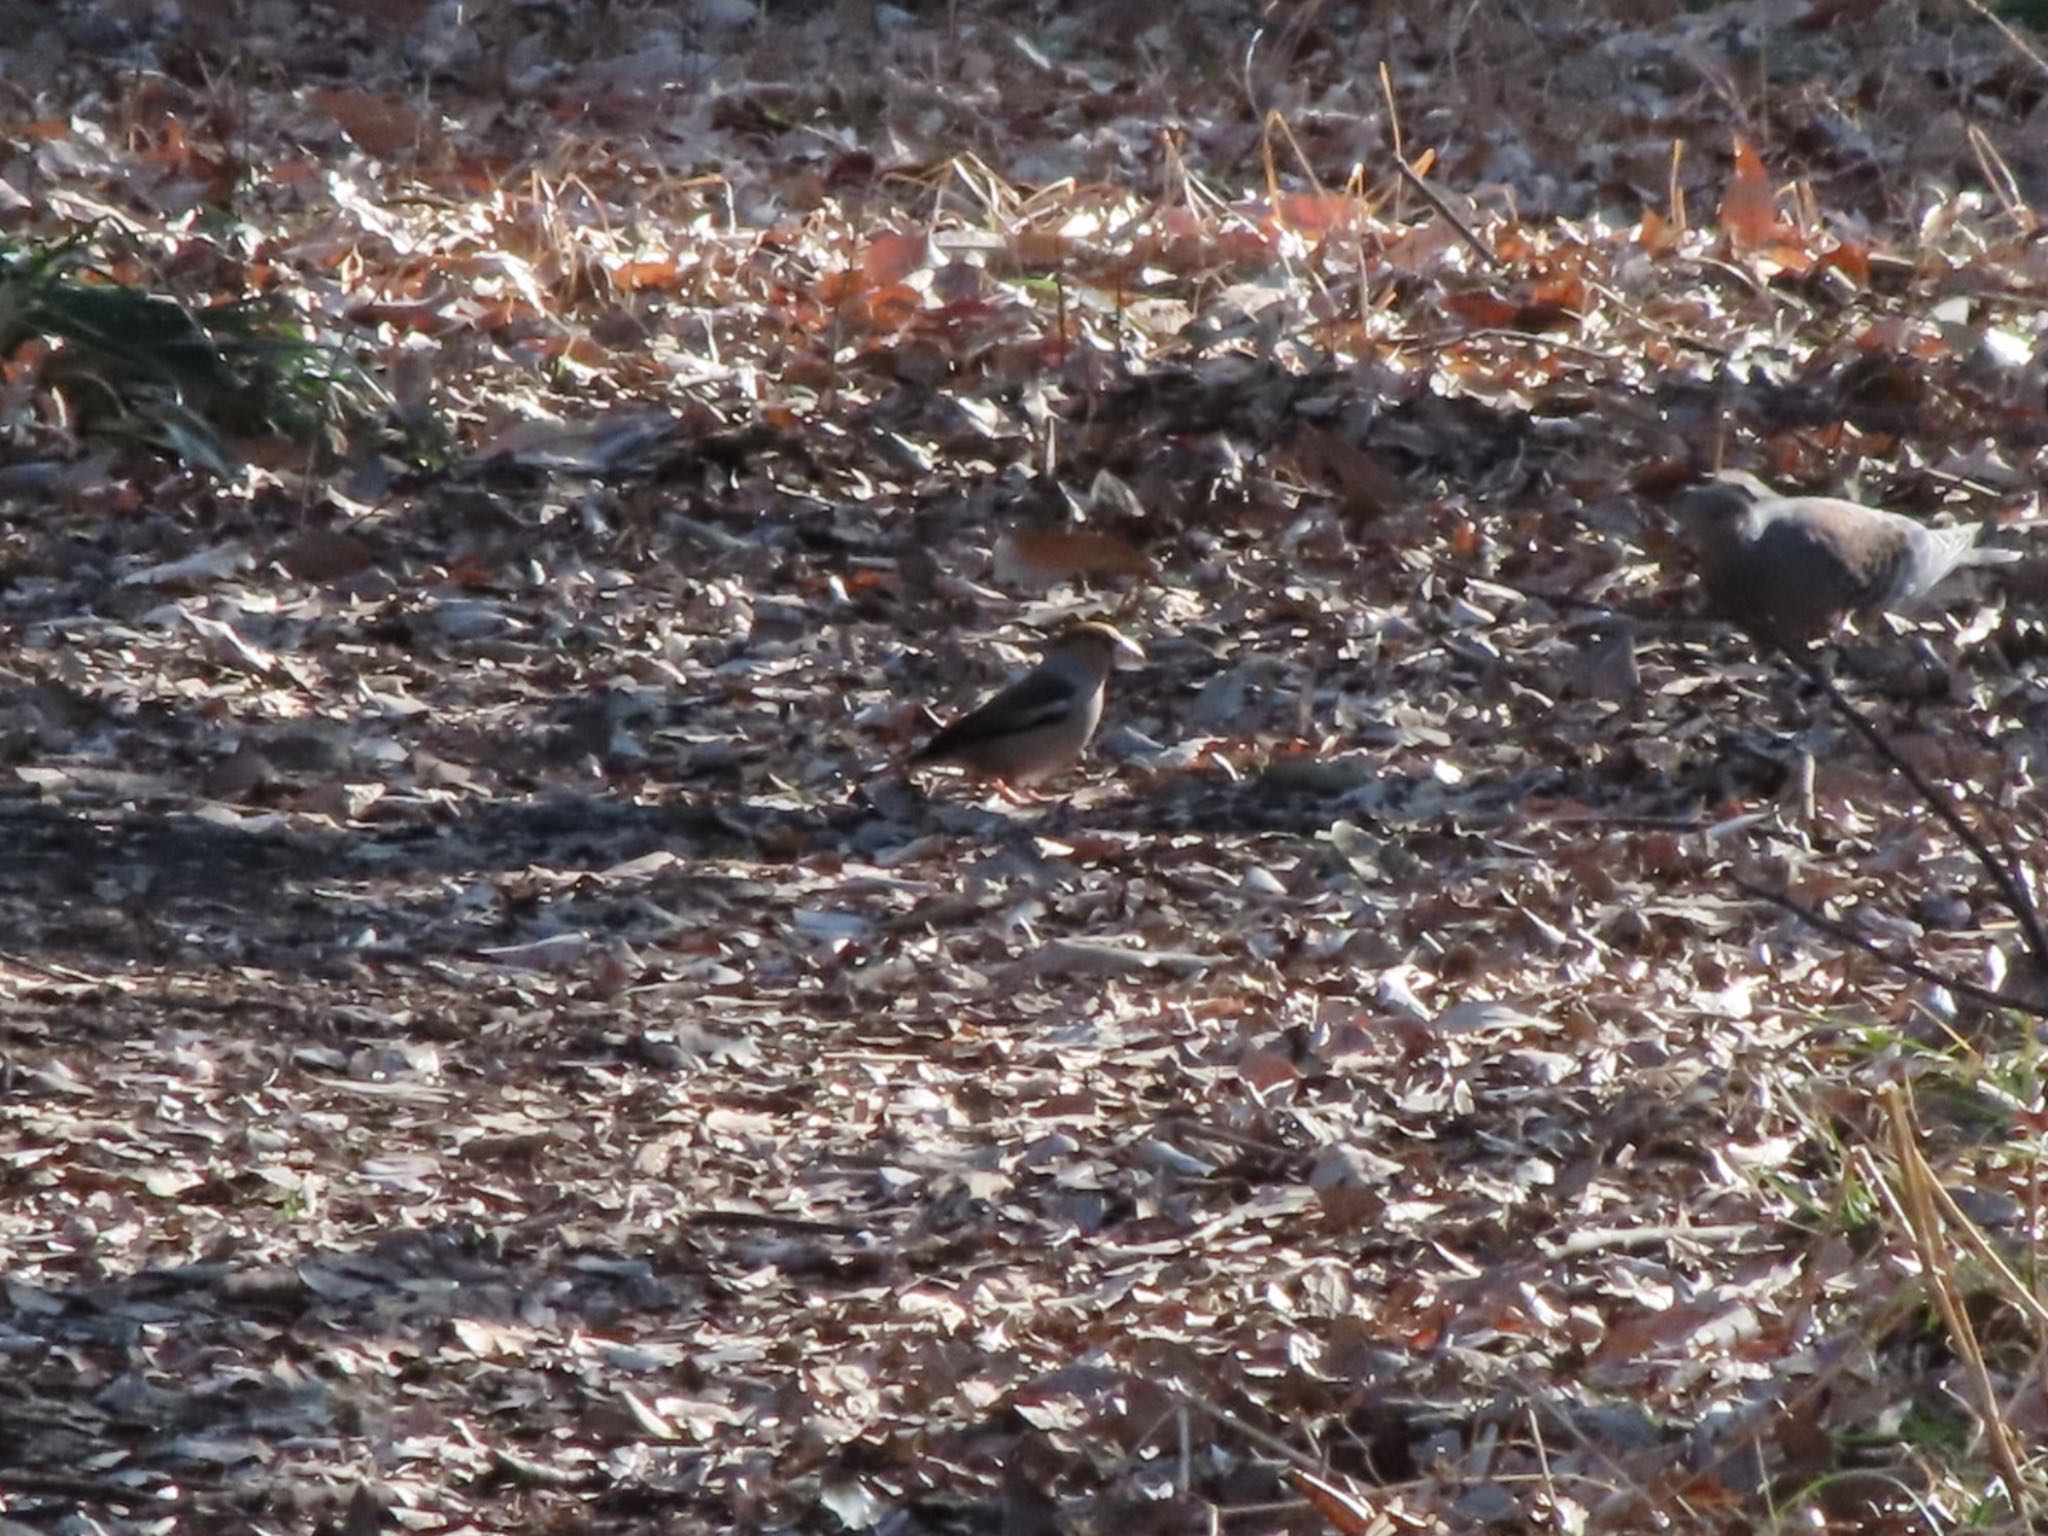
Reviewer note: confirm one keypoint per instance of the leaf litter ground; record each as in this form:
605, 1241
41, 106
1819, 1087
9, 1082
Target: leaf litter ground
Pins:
491, 1041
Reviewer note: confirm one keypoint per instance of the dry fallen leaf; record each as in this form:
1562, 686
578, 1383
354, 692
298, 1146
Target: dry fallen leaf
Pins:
1038, 560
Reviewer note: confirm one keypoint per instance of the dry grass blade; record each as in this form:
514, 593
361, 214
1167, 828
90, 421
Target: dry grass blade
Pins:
1916, 1183
2016, 1290
2020, 44
1429, 194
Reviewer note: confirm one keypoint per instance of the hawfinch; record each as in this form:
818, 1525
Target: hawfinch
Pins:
1038, 724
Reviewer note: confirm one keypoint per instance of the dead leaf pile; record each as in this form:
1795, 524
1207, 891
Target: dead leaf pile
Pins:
491, 1039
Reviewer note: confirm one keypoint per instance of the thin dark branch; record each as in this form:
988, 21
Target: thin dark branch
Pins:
1271, 1444
2010, 33
535, 1474
102, 1490
1436, 200
1635, 613
774, 1221
1843, 934
2004, 872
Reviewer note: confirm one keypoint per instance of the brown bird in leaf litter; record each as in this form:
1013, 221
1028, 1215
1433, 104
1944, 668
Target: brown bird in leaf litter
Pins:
1790, 568
1039, 724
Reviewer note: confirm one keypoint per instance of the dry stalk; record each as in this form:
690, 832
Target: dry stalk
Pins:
2011, 34
1923, 1224
1393, 124
2016, 1289
1423, 189
1998, 174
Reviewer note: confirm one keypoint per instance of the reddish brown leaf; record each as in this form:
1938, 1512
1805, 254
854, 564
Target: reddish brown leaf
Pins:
1487, 309
382, 125
892, 256
1337, 1503
1314, 212
325, 554
1045, 558
634, 276
1749, 208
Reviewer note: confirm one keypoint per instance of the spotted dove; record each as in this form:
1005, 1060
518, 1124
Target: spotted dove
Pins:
1790, 568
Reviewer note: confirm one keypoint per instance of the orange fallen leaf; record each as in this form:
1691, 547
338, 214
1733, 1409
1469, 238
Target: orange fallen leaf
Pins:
633, 276
1315, 213
1852, 261
892, 256
1045, 558
1749, 208
1705, 1491
1563, 291
380, 125
891, 308
423, 315
1337, 1504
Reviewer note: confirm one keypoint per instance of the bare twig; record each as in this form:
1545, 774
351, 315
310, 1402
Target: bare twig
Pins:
1657, 327
1194, 1127
1593, 1239
2004, 874
2020, 45
1428, 194
57, 972
526, 1473
773, 1221
1273, 1445
1622, 1478
1568, 601
1436, 200
1999, 177
1846, 935
1835, 1355
102, 1490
